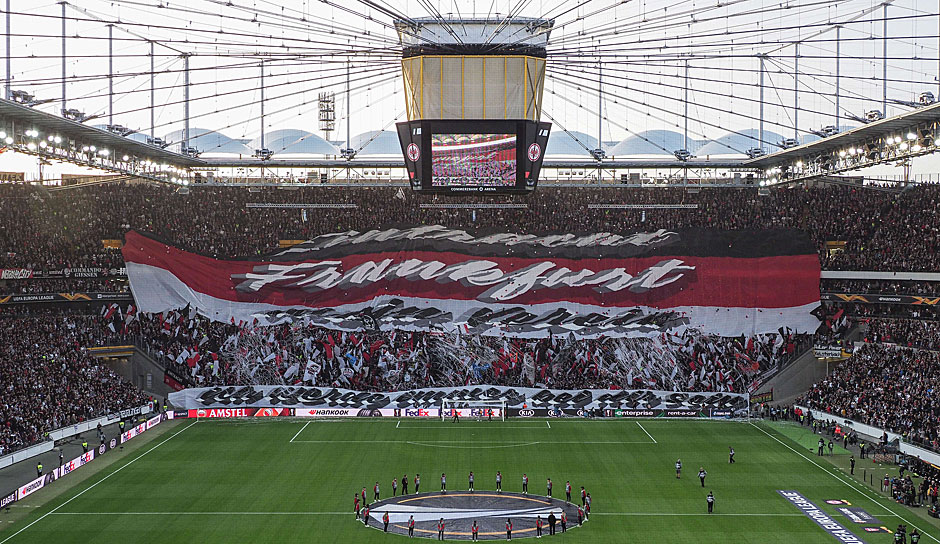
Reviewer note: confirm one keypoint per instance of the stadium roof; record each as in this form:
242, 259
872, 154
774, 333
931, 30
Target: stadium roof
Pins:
47, 123
878, 129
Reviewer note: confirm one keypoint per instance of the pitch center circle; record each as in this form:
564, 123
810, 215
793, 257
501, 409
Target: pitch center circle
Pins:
459, 509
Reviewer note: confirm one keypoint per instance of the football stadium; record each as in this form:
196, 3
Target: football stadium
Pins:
601, 271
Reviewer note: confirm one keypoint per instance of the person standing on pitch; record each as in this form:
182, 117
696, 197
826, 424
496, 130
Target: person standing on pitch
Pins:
525, 484
552, 520
411, 526
852, 465
475, 531
456, 416
404, 484
356, 504
580, 516
443, 483
583, 495
548, 488
538, 527
730, 455
678, 468
587, 507
701, 475
375, 491
564, 522
829, 445
470, 478
568, 491
417, 482
363, 496
710, 500
508, 529
394, 487
385, 521
440, 529
499, 482
365, 516
820, 446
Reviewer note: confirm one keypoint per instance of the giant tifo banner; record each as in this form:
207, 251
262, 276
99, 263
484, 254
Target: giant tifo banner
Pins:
435, 278
333, 399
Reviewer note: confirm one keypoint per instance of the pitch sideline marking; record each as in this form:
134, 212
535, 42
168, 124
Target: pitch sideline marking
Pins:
549, 424
613, 442
300, 431
80, 493
647, 432
398, 424
851, 485
344, 513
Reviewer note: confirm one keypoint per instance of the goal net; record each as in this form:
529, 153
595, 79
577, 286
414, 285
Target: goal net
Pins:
476, 409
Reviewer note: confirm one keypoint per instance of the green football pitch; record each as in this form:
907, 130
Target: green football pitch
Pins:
292, 480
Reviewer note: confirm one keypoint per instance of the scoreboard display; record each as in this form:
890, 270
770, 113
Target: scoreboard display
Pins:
473, 156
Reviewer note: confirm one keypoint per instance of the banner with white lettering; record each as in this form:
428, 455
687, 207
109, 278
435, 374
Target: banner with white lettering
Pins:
434, 278
273, 396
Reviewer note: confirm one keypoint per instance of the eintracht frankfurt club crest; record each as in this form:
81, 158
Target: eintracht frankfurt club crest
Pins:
460, 509
413, 152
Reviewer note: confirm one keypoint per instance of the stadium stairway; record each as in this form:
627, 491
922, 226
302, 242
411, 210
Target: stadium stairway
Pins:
796, 378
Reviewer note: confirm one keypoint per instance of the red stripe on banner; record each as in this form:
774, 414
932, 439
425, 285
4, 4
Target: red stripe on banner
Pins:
766, 282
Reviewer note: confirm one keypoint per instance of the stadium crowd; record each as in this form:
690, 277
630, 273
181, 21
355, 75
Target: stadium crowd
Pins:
888, 387
914, 333
49, 380
212, 353
882, 231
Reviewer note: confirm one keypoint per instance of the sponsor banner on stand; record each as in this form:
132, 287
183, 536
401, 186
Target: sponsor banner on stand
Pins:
240, 412
225, 400
79, 461
30, 488
34, 298
821, 518
433, 278
7, 499
765, 396
15, 273
132, 432
879, 298
121, 414
822, 351
32, 274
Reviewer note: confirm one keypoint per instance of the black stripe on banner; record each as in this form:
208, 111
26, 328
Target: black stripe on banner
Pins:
582, 245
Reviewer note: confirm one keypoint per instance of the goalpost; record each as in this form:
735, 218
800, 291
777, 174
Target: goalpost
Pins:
478, 409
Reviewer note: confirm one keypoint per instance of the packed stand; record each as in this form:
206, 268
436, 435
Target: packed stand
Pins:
905, 332
883, 231
49, 380
213, 353
888, 387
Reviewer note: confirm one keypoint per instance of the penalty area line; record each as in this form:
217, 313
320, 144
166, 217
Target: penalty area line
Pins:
82, 492
300, 431
647, 432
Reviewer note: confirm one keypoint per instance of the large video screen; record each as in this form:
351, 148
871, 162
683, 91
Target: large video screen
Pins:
473, 160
